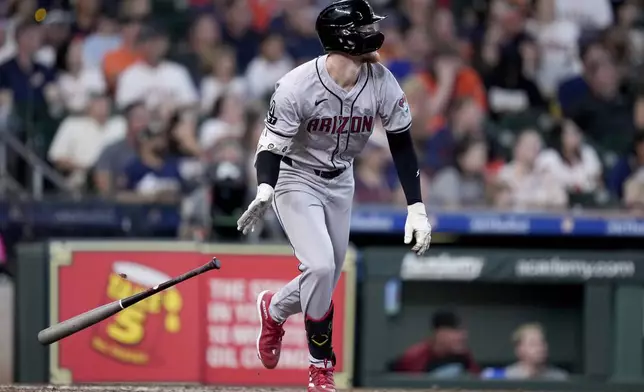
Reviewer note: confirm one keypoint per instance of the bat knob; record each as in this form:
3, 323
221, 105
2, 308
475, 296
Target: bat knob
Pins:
216, 263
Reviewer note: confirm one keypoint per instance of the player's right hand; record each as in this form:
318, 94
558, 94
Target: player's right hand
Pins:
256, 209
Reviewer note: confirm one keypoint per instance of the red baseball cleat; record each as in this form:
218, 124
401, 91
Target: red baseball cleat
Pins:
321, 379
269, 340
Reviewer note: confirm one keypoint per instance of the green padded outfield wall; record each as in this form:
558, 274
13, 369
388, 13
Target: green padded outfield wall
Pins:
32, 314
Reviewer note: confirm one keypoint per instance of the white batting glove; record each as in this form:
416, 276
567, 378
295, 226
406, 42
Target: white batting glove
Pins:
417, 227
256, 209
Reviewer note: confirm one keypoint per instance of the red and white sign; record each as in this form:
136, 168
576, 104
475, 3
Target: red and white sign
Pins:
201, 331
232, 323
154, 340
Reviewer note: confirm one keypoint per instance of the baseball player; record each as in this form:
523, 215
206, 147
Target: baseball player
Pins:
320, 117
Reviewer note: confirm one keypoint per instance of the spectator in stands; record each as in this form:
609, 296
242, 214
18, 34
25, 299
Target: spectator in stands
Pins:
18, 13
27, 84
227, 121
416, 53
571, 161
372, 186
445, 354
239, 34
180, 128
522, 184
56, 37
417, 97
222, 78
113, 159
594, 15
615, 39
267, 68
7, 46
86, 15
443, 30
78, 82
137, 9
505, 37
297, 26
155, 79
201, 50
629, 16
393, 52
118, 60
605, 108
557, 41
634, 191
531, 349
627, 166
414, 13
450, 79
104, 40
153, 175
509, 90
462, 185
573, 89
80, 140
465, 119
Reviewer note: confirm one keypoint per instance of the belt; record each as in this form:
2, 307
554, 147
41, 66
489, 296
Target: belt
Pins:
320, 173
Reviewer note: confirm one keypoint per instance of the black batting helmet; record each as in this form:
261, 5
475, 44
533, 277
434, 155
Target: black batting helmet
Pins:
348, 26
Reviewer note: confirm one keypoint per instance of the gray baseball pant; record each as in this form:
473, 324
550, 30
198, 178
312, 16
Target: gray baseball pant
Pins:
315, 213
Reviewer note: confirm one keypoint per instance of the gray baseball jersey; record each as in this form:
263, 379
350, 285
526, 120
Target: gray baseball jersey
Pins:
322, 127
318, 124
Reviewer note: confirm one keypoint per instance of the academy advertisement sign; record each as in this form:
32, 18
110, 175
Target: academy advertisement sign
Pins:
521, 265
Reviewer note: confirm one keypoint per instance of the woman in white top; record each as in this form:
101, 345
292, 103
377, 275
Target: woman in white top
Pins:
557, 40
78, 82
523, 183
227, 121
571, 161
223, 78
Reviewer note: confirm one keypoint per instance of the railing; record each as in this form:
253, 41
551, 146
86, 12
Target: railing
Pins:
40, 169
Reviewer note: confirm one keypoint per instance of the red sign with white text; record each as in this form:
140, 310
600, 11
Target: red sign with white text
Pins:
154, 340
231, 323
203, 330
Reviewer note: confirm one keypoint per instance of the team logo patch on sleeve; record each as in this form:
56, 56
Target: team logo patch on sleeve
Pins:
270, 116
402, 103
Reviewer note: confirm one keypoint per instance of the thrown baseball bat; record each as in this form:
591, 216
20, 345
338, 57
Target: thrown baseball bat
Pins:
84, 320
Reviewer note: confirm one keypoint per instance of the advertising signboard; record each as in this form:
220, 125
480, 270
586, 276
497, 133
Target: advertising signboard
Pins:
201, 331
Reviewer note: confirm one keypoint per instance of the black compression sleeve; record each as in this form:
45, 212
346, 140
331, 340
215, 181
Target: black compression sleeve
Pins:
268, 168
404, 155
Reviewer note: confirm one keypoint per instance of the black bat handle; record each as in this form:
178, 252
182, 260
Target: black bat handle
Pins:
211, 265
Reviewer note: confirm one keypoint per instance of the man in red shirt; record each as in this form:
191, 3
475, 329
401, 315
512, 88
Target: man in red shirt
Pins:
444, 354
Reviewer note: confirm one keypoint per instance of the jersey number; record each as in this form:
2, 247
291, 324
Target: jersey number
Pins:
270, 116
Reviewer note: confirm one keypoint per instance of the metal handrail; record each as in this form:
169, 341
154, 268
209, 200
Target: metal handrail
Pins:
8, 183
41, 168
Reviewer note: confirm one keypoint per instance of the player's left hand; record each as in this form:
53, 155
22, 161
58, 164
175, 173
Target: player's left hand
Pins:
417, 227
256, 209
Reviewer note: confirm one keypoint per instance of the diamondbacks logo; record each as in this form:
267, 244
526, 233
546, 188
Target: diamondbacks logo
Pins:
270, 116
402, 103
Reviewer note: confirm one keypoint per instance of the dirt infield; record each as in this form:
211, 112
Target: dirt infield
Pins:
183, 388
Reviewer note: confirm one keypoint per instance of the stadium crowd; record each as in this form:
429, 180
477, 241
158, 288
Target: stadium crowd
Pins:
517, 104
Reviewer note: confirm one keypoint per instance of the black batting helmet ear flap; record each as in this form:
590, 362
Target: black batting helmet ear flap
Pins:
349, 26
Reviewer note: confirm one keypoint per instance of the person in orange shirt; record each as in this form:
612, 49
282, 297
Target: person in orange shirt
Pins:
448, 79
118, 60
